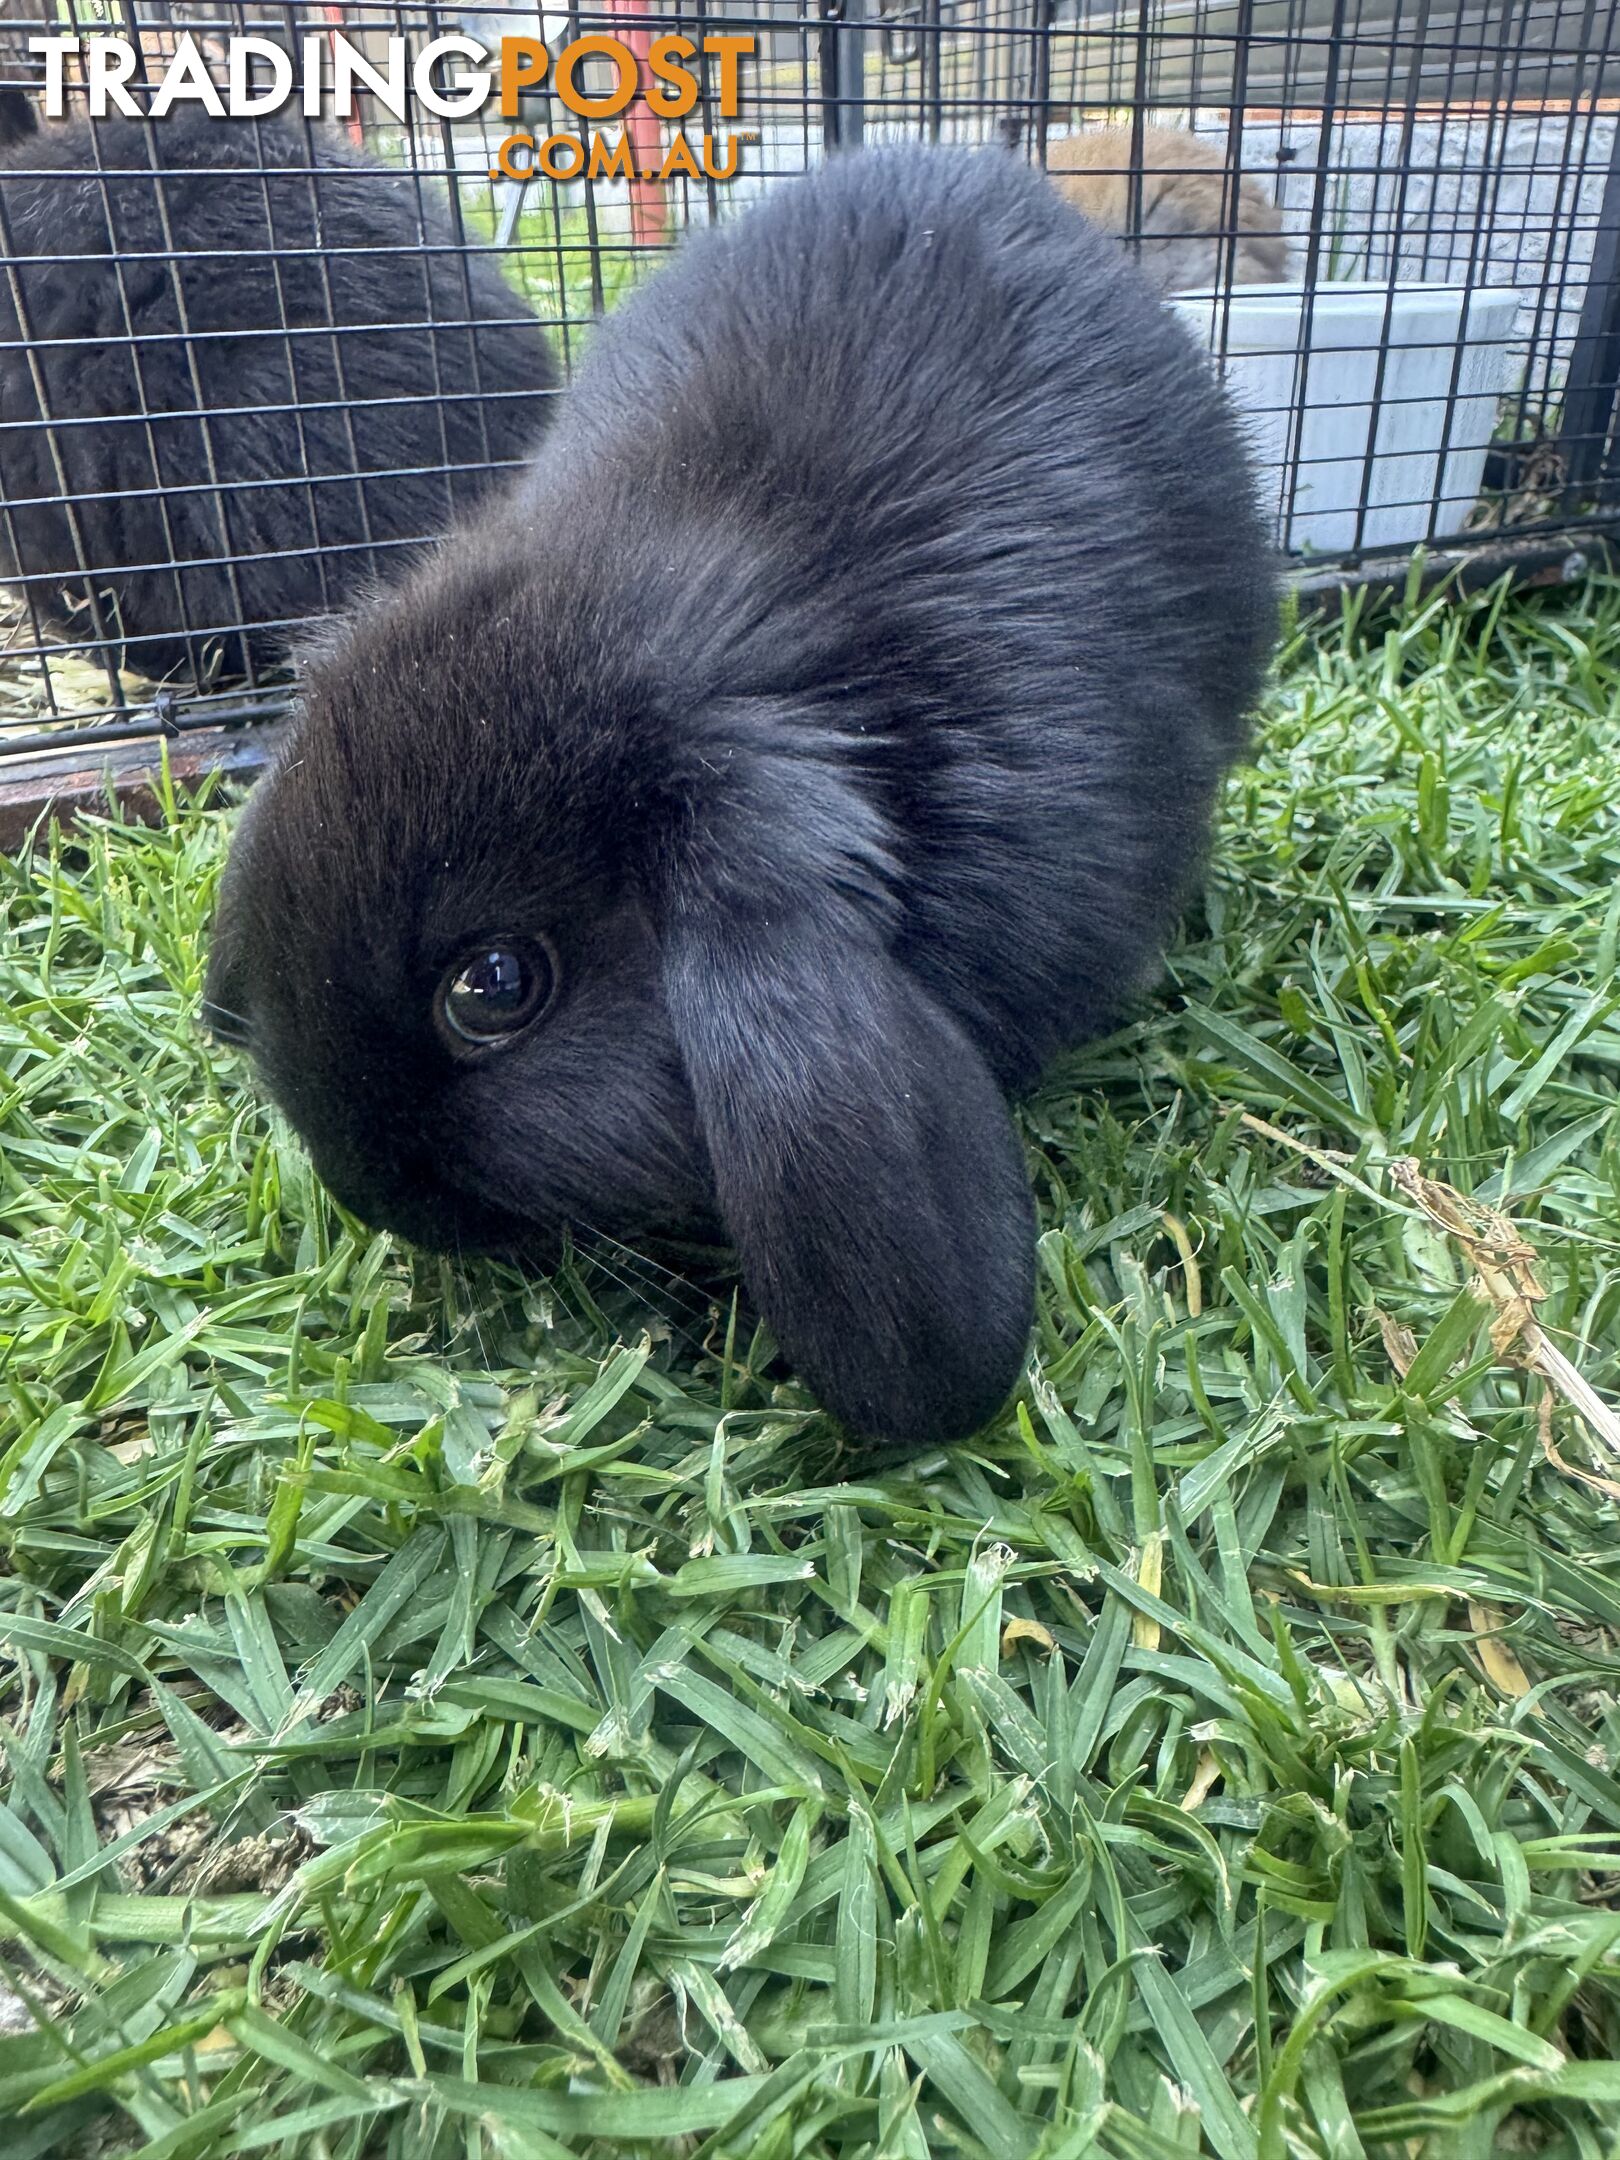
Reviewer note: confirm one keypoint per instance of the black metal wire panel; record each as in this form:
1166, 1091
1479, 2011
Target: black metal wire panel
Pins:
1395, 223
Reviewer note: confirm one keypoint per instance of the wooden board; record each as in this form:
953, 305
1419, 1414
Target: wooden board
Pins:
88, 778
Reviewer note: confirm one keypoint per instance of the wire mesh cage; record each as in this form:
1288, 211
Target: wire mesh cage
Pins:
249, 364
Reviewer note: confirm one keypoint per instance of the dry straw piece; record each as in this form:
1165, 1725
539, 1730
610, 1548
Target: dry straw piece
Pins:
1504, 1271
1504, 1276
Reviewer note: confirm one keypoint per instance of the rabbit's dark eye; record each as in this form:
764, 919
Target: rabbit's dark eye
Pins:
493, 990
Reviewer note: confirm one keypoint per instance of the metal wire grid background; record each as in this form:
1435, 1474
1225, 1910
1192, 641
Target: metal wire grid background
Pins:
1433, 356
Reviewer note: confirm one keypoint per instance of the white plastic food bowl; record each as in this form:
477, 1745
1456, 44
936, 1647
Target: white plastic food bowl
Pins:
1277, 355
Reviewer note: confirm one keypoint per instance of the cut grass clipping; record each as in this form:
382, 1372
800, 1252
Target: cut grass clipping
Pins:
444, 1714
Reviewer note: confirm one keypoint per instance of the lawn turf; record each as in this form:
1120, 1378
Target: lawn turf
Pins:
444, 1714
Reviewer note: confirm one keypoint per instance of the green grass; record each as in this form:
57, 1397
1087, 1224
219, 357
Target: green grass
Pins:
459, 1716
562, 261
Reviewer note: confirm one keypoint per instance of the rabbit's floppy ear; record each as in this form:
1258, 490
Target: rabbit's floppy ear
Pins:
867, 1170
863, 1156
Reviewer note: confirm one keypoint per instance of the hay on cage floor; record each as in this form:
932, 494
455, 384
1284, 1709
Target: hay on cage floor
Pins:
54, 685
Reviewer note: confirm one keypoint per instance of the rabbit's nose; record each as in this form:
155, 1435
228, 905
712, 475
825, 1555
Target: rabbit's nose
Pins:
404, 1195
355, 1196
370, 1179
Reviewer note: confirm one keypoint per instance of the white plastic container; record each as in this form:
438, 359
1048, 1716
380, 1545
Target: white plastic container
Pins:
1277, 356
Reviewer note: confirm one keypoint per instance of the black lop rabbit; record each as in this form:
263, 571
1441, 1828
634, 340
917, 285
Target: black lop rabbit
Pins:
257, 257
823, 736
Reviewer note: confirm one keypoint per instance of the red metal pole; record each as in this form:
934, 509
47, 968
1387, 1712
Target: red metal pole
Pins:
355, 125
649, 210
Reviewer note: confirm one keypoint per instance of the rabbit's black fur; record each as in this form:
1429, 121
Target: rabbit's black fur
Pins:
843, 697
366, 396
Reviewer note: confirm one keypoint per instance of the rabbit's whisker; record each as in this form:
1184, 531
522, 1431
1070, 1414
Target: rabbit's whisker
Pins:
686, 1312
472, 1307
225, 1026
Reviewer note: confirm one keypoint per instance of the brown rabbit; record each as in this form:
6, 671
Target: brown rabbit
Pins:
1185, 210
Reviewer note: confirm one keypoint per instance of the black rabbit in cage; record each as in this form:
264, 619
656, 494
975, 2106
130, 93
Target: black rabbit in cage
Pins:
822, 737
241, 365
